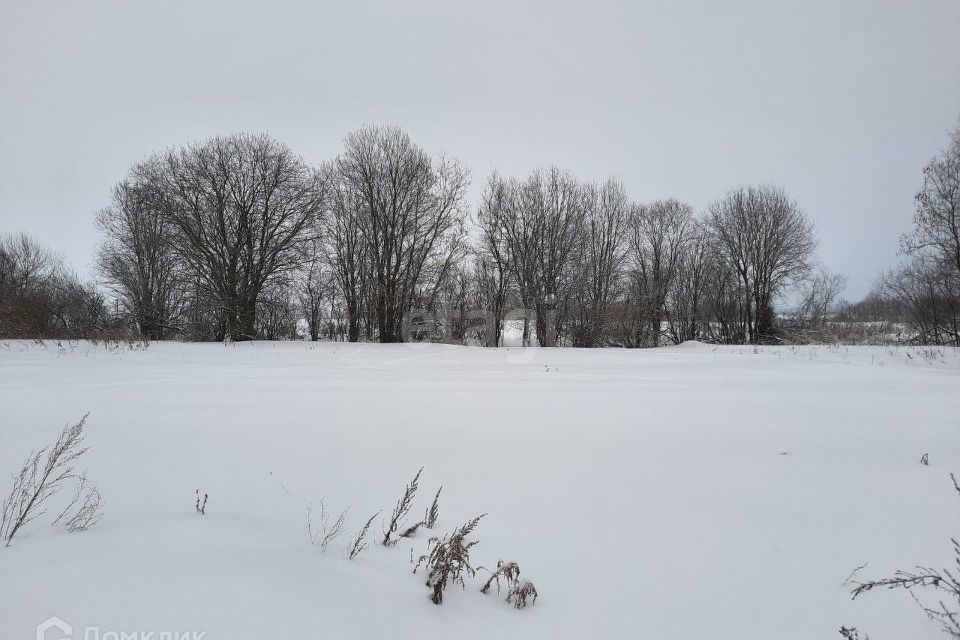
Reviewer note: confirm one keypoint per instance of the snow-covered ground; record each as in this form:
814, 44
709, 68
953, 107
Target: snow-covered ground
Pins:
686, 492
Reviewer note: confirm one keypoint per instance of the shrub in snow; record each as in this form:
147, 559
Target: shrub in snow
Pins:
448, 559
851, 633
360, 541
945, 584
509, 571
326, 532
201, 505
42, 476
400, 512
519, 595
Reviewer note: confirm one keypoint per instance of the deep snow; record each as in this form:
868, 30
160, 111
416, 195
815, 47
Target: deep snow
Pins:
686, 492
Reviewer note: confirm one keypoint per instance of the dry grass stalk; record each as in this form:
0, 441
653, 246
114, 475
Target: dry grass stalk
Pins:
327, 532
360, 541
401, 510
430, 515
42, 475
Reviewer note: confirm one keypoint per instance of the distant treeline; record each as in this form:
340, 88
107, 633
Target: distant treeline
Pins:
239, 238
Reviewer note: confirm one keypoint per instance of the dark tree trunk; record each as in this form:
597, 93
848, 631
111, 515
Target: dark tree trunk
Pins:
242, 322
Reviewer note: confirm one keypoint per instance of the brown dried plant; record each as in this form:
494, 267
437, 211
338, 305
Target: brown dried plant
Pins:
509, 571
521, 594
448, 559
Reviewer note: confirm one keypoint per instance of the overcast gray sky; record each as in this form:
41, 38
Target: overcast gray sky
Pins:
840, 102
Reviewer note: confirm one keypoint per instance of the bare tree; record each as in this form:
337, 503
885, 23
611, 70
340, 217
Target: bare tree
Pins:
277, 307
348, 253
136, 259
77, 309
242, 207
493, 264
818, 293
936, 219
25, 265
690, 297
927, 297
768, 243
27, 274
604, 256
314, 288
926, 287
544, 231
660, 233
411, 211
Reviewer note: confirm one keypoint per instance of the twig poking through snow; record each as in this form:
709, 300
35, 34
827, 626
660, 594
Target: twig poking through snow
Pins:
431, 514
327, 532
401, 510
360, 542
201, 506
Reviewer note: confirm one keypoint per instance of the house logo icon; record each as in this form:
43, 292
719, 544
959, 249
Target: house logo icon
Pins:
53, 628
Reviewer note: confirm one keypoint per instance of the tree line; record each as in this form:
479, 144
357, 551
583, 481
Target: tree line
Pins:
41, 297
237, 237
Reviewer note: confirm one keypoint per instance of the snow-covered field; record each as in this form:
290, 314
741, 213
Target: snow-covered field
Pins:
686, 492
